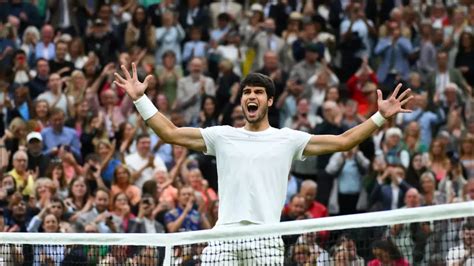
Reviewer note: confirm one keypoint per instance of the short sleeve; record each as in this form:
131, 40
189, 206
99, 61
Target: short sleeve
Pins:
210, 135
299, 139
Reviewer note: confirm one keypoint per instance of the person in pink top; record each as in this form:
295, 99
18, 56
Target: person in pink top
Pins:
122, 183
387, 253
201, 186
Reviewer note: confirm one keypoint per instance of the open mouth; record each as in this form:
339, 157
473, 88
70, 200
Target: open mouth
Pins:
252, 108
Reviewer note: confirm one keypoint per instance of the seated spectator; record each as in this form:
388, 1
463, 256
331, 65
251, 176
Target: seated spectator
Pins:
24, 179
429, 194
412, 139
387, 253
169, 37
57, 135
59, 64
50, 254
469, 190
16, 219
121, 183
122, 208
466, 155
143, 163
169, 74
108, 164
464, 253
56, 207
201, 186
55, 96
39, 83
106, 221
7, 190
315, 209
145, 221
44, 190
79, 198
345, 252
390, 188
360, 86
295, 210
184, 217
56, 172
438, 161
40, 114
392, 147
36, 159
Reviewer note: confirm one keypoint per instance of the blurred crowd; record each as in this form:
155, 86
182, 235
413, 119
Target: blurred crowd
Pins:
76, 157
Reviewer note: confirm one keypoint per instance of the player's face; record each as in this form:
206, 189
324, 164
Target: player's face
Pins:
255, 104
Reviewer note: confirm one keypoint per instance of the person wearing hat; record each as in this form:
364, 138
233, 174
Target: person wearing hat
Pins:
392, 148
36, 158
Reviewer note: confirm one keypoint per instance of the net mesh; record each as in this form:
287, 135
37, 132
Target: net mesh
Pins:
437, 235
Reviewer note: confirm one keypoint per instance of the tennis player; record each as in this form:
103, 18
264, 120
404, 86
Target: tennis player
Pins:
253, 162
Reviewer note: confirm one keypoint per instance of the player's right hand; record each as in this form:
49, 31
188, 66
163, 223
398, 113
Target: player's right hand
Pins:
134, 88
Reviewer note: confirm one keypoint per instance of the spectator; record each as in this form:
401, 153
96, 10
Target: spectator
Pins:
55, 207
36, 159
349, 167
142, 163
469, 190
168, 37
139, 32
463, 254
465, 57
106, 150
266, 40
50, 254
296, 210
360, 86
31, 36
393, 148
345, 252
57, 173
309, 65
39, 83
195, 47
59, 64
79, 198
191, 88
387, 253
77, 53
438, 161
145, 221
46, 48
314, 208
201, 187
101, 40
394, 50
24, 179
169, 75
54, 96
390, 188
17, 218
106, 221
121, 183
122, 208
194, 13
58, 136
466, 155
184, 217
415, 170
429, 194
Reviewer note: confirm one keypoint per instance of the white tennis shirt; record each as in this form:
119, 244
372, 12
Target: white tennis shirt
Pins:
253, 170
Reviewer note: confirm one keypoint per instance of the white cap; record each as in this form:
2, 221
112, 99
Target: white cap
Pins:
393, 131
34, 135
256, 7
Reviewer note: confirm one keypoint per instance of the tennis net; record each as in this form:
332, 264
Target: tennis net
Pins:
435, 235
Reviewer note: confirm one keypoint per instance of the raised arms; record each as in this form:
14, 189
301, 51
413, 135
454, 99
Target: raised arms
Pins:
190, 138
322, 144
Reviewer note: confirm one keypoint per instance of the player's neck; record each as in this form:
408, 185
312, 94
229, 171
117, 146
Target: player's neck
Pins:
259, 126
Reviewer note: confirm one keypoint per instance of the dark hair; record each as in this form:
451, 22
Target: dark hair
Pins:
103, 189
224, 17
468, 226
142, 136
259, 80
388, 246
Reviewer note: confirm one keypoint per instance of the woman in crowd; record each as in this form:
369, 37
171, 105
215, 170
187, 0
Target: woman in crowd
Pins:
79, 200
56, 172
121, 183
40, 114
122, 208
438, 161
139, 32
76, 53
429, 194
415, 170
49, 254
387, 253
168, 75
466, 155
108, 164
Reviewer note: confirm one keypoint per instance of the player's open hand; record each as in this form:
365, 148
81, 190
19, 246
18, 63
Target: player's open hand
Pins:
394, 104
134, 88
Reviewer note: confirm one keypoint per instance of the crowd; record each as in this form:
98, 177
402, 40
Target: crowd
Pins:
76, 157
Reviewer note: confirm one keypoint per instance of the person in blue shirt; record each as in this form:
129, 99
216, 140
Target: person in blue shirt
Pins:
58, 136
184, 217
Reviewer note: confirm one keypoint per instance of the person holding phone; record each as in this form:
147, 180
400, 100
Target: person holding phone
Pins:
145, 221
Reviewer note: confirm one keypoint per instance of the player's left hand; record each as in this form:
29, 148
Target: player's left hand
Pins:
393, 104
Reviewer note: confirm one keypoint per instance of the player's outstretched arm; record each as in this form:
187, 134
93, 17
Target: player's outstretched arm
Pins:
188, 137
322, 144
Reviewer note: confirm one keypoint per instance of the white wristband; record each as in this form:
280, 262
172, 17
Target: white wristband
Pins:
145, 107
378, 119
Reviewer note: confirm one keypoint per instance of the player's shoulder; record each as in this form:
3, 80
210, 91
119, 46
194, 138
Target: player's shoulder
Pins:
289, 131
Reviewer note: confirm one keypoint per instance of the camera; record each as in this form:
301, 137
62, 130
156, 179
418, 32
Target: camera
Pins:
147, 201
93, 168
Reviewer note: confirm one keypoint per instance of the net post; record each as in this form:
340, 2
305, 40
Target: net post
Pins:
167, 259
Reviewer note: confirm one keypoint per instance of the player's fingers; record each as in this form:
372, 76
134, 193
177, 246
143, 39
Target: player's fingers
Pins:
134, 71
119, 78
125, 72
397, 89
407, 100
123, 85
404, 94
147, 80
405, 111
379, 95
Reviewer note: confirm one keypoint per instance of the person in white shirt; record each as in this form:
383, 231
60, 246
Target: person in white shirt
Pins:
143, 163
253, 162
464, 253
